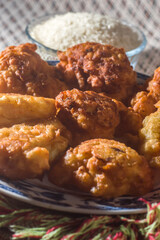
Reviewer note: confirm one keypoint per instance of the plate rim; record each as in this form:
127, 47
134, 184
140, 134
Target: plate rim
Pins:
43, 204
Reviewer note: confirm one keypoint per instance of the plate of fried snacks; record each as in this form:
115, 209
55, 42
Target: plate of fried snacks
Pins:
81, 134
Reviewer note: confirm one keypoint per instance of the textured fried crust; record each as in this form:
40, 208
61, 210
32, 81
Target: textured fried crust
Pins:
17, 108
130, 122
128, 128
143, 103
150, 138
23, 71
104, 168
97, 67
87, 114
154, 85
27, 150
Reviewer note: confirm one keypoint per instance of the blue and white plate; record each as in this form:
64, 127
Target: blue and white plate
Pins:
44, 194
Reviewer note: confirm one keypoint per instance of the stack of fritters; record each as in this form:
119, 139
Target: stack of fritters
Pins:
27, 149
75, 128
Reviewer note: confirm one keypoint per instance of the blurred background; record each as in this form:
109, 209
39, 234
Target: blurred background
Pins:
16, 14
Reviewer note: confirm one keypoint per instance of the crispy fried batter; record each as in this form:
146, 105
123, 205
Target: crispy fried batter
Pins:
27, 150
23, 71
143, 103
87, 114
17, 108
104, 168
97, 67
128, 128
154, 85
130, 121
150, 138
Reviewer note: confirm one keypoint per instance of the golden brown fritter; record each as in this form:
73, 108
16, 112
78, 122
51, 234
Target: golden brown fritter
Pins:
143, 103
130, 121
87, 114
128, 128
23, 71
104, 168
27, 150
98, 67
150, 138
154, 85
17, 108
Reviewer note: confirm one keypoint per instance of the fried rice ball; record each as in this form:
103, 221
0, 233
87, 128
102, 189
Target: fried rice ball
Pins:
87, 114
23, 71
104, 168
98, 67
150, 138
27, 150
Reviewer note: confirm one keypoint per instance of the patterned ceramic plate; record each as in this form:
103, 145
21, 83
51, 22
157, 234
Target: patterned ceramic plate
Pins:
49, 196
44, 194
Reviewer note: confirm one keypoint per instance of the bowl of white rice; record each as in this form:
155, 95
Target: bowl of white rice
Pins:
54, 33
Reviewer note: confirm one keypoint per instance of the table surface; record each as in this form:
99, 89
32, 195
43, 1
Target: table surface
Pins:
16, 14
